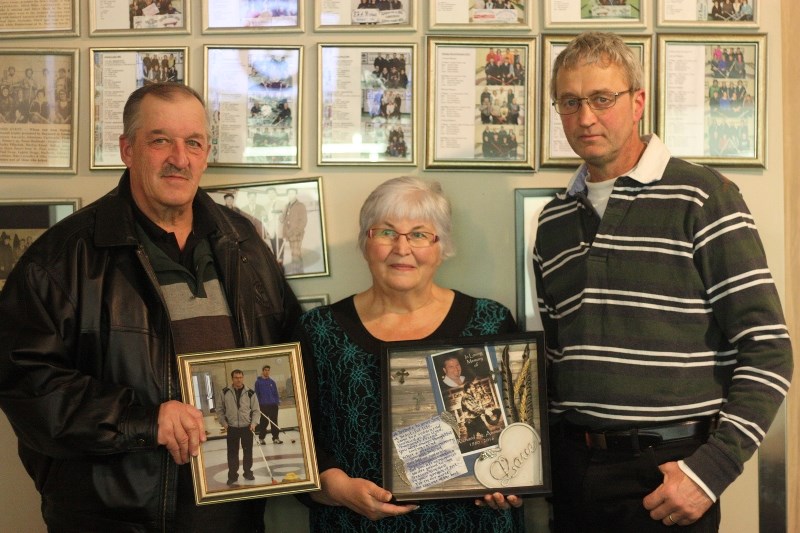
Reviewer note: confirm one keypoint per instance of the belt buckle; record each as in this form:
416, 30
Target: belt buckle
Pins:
595, 441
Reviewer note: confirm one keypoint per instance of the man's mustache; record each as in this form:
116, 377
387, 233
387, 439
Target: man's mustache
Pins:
171, 170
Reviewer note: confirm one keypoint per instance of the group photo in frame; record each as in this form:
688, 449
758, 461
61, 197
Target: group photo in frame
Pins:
290, 217
712, 108
226, 16
274, 458
139, 16
555, 151
463, 417
585, 14
254, 98
23, 221
38, 110
481, 15
480, 103
367, 104
710, 14
528, 205
364, 15
54, 18
115, 74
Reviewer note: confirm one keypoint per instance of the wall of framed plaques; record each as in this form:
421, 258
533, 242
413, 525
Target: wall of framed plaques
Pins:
341, 91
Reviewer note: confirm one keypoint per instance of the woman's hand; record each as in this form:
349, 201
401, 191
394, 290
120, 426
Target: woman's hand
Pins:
497, 501
359, 495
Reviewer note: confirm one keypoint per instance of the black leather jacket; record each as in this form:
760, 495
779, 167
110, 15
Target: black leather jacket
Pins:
86, 358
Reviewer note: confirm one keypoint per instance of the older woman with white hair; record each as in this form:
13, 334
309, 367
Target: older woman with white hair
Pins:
404, 236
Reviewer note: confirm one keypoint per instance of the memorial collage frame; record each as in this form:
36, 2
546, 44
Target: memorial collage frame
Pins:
402, 87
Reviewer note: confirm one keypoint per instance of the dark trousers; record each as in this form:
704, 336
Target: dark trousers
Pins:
236, 437
597, 491
271, 411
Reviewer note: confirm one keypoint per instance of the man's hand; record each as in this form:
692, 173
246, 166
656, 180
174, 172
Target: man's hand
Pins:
678, 500
180, 430
498, 502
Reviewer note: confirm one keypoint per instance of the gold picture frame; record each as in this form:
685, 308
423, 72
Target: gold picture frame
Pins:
724, 123
287, 467
480, 103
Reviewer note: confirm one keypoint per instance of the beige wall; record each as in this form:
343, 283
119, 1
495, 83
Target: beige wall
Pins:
791, 132
483, 208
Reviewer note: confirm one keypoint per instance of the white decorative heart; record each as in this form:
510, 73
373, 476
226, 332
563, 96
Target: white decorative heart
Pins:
515, 462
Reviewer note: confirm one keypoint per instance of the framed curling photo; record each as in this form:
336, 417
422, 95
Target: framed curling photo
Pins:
464, 417
288, 467
481, 15
709, 14
365, 15
585, 14
115, 17
54, 18
252, 16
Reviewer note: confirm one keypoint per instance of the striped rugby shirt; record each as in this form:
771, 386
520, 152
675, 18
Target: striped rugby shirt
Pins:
663, 311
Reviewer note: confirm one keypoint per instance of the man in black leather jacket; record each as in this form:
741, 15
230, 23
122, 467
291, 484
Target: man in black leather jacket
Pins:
93, 314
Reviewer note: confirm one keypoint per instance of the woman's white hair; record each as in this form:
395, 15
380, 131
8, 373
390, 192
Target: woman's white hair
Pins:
412, 198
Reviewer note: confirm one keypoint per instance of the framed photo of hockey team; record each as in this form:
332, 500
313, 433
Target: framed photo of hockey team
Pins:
365, 15
554, 150
528, 205
481, 15
54, 18
110, 17
585, 14
713, 109
290, 217
254, 99
464, 417
115, 74
367, 104
22, 221
480, 103
263, 467
252, 16
709, 14
38, 106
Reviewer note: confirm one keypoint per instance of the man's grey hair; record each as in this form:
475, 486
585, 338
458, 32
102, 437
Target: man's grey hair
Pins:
599, 48
168, 91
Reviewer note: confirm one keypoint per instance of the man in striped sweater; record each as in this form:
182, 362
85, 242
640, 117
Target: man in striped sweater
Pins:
667, 349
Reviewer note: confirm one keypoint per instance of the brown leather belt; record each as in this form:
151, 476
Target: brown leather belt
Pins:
638, 438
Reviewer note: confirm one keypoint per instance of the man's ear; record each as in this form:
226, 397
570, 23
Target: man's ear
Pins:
125, 150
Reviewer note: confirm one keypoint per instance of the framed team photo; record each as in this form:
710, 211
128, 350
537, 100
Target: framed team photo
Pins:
713, 109
115, 73
38, 110
55, 18
481, 15
22, 221
252, 16
254, 98
465, 416
273, 455
367, 104
290, 217
709, 14
480, 103
584, 14
364, 15
109, 17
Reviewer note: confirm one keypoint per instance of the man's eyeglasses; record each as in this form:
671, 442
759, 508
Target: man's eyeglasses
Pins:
568, 105
415, 239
